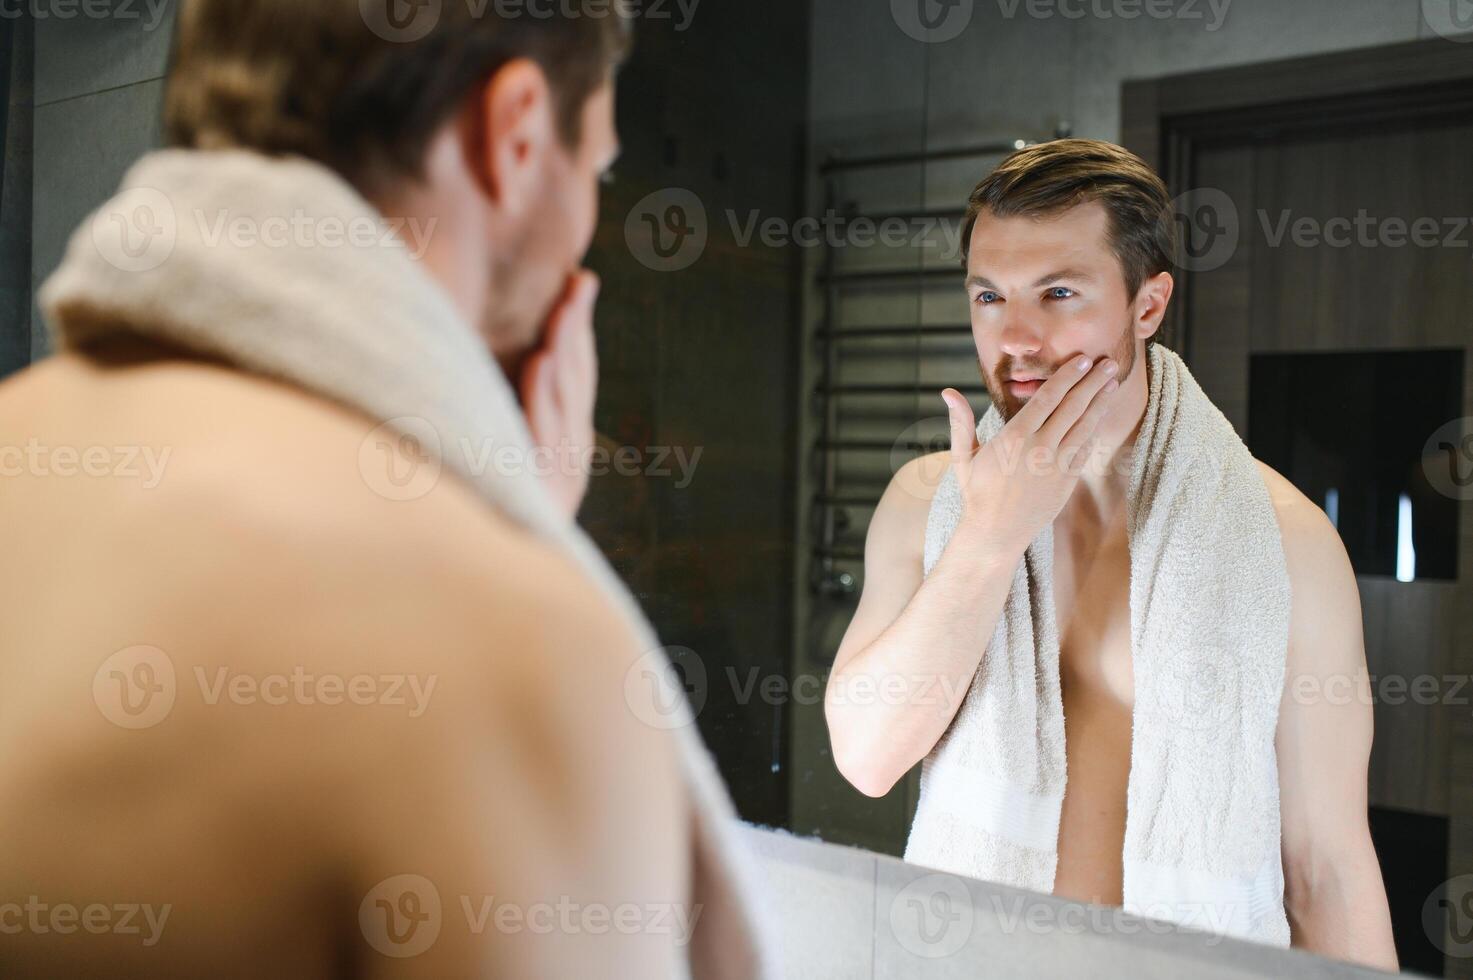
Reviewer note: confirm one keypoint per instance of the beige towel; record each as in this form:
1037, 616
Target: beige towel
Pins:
364, 325
1209, 626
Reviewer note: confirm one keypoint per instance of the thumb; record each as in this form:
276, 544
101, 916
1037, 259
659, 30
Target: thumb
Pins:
963, 432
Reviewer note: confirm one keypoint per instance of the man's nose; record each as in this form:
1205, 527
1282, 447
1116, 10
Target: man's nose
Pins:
1020, 337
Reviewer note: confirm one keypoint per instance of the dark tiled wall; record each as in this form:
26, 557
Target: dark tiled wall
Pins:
98, 92
705, 358
16, 81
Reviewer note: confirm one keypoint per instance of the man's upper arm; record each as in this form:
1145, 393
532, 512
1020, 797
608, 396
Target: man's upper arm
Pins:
893, 552
1325, 722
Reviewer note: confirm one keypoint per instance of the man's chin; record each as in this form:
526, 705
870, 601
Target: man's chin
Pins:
1008, 406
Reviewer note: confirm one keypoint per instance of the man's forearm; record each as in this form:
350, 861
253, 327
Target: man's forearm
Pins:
1342, 912
889, 704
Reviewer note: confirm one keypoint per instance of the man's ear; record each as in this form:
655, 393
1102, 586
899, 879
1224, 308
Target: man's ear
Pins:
509, 134
1151, 301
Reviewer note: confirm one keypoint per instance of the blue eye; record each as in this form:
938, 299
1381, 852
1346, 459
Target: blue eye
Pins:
1057, 290
986, 296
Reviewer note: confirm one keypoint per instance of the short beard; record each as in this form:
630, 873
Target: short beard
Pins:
1008, 406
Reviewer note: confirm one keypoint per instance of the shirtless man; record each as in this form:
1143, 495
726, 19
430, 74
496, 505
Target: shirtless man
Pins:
265, 830
1049, 284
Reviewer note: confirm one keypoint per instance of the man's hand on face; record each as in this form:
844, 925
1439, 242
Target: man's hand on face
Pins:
558, 386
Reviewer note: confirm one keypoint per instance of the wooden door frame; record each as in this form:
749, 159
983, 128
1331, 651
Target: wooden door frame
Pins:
1167, 120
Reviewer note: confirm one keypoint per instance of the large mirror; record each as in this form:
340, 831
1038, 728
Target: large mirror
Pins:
1184, 631
786, 236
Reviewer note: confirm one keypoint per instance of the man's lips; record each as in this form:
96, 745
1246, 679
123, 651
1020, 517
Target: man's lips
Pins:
1023, 387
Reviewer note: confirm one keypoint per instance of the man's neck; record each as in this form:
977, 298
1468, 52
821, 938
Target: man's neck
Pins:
1105, 482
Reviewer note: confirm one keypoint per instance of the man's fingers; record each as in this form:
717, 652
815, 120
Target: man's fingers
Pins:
539, 397
571, 337
963, 431
576, 300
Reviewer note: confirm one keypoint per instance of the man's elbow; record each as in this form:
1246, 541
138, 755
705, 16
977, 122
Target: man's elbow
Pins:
862, 762
864, 775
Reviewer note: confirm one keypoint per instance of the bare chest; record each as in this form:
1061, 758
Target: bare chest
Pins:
1092, 610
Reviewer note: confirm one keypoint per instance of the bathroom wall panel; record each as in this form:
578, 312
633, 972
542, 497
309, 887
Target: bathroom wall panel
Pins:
84, 145
78, 53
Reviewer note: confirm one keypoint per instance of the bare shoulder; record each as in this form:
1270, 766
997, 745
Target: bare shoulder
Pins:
1310, 540
896, 535
1326, 598
907, 500
920, 477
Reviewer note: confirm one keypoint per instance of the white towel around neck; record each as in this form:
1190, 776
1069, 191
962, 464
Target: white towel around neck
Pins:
339, 313
1209, 627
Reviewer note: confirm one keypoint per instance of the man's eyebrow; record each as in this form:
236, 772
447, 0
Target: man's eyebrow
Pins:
1078, 275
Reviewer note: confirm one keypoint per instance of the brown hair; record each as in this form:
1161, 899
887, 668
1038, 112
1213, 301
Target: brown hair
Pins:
1050, 177
315, 78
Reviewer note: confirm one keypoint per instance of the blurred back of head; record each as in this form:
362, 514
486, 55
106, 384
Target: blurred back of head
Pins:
363, 85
